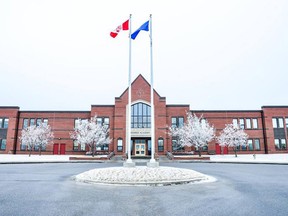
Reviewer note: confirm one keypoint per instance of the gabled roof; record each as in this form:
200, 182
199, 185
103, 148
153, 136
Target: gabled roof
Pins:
138, 77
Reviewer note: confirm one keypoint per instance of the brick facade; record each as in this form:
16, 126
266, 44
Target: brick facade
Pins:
62, 123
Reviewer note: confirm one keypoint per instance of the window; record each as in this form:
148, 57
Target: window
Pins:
6, 122
120, 145
177, 121
203, 121
255, 123
248, 123
274, 123
38, 121
250, 144
25, 123
278, 122
257, 144
176, 146
32, 122
2, 144
160, 145
243, 147
103, 121
241, 123
286, 120
36, 147
75, 145
140, 116
281, 123
235, 122
45, 121
174, 122
280, 144
77, 121
23, 146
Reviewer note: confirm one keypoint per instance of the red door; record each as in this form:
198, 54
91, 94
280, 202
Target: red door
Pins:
221, 150
225, 150
62, 149
218, 149
55, 148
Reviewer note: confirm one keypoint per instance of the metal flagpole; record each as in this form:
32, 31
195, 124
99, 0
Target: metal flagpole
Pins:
152, 160
128, 140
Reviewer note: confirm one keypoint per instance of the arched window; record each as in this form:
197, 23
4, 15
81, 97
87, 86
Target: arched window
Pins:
120, 145
160, 145
140, 115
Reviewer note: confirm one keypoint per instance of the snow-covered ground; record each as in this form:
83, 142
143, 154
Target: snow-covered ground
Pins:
142, 175
259, 158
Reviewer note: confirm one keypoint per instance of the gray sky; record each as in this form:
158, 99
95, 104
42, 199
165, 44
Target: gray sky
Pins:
58, 55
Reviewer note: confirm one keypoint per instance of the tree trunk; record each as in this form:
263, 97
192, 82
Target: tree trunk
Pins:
30, 150
40, 150
199, 151
92, 149
235, 149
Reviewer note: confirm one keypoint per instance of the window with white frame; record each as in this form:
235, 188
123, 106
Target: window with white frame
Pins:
120, 145
257, 144
250, 144
160, 145
248, 123
280, 144
255, 123
278, 122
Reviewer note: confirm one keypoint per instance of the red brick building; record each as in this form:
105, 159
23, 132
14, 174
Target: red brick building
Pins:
267, 128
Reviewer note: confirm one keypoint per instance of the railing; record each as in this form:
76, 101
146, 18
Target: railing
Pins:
110, 155
169, 155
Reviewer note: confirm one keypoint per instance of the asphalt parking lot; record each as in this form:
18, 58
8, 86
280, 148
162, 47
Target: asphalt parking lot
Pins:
48, 189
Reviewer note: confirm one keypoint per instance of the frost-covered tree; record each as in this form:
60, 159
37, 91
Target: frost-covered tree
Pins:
177, 134
232, 136
91, 134
196, 132
45, 136
37, 136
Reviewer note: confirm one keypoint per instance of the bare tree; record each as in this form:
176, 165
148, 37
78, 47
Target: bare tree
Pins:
232, 136
91, 134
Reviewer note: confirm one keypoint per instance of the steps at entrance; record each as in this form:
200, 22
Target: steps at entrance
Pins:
141, 157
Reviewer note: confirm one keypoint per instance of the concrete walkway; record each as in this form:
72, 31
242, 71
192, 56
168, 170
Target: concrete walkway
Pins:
259, 158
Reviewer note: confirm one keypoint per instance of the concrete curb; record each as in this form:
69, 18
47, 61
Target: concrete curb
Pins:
142, 162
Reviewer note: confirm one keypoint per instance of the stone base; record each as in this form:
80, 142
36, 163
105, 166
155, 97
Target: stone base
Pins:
153, 164
128, 164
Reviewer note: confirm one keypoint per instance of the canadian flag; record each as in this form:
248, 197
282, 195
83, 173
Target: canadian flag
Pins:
124, 26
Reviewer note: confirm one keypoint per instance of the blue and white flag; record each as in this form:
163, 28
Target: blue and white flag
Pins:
144, 27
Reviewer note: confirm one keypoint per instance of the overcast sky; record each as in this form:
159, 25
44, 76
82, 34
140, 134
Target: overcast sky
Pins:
213, 55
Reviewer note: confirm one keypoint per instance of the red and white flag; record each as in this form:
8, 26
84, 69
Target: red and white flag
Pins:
124, 26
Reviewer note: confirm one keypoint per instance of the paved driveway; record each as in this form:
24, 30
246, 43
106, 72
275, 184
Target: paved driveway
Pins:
47, 189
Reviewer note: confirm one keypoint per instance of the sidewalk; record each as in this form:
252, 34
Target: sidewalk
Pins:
259, 158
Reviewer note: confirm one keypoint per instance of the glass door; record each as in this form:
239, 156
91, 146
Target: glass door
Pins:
140, 147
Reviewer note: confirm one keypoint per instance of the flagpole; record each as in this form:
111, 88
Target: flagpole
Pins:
128, 140
152, 163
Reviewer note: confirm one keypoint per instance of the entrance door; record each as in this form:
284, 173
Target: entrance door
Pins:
140, 147
221, 150
55, 148
62, 149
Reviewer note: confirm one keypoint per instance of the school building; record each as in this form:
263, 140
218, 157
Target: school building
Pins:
267, 127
